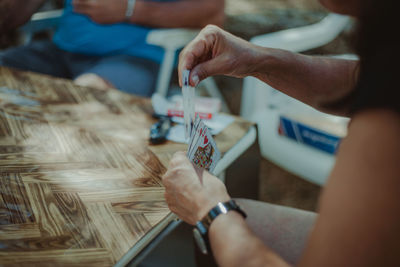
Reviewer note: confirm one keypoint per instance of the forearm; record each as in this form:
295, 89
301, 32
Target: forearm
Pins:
16, 12
320, 82
188, 13
234, 244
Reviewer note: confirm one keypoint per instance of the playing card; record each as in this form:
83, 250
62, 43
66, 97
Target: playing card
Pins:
188, 95
196, 135
204, 153
193, 136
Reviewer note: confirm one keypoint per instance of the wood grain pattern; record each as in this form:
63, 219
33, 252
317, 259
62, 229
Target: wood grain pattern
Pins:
79, 183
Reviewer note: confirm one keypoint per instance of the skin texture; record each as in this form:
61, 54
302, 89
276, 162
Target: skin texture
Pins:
187, 13
359, 212
317, 81
359, 216
199, 186
14, 13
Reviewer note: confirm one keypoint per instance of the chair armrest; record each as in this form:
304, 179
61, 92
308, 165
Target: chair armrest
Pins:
42, 21
306, 37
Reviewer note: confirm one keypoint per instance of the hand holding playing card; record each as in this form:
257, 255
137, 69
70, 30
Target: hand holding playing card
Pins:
217, 52
190, 192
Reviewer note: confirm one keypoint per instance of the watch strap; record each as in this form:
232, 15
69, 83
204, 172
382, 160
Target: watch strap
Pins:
203, 225
221, 208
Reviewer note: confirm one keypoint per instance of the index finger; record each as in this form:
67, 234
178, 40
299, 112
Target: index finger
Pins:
177, 159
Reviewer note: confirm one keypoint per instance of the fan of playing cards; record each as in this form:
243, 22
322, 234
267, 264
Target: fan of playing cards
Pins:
202, 149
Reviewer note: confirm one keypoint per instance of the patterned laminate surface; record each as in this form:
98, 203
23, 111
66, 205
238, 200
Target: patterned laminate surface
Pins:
79, 183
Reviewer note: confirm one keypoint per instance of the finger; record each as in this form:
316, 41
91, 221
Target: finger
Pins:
196, 51
169, 199
177, 159
183, 216
206, 69
165, 179
187, 61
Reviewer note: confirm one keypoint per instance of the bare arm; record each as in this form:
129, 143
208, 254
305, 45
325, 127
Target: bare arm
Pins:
184, 13
14, 13
233, 244
188, 13
317, 81
359, 221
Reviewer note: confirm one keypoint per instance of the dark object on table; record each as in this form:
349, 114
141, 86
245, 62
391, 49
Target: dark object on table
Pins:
159, 130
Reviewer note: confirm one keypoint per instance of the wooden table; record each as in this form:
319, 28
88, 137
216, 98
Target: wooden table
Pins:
80, 184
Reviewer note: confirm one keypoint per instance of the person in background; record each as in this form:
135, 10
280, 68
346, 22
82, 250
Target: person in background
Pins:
102, 43
358, 222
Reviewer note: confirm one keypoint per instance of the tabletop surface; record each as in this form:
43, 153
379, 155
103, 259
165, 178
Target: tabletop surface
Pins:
79, 182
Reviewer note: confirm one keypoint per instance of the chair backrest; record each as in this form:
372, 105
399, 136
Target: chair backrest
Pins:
256, 93
41, 21
263, 104
171, 40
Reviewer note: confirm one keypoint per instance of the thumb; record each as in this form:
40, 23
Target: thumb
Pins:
204, 70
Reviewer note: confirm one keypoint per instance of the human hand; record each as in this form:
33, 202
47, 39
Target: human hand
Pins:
217, 52
102, 11
190, 192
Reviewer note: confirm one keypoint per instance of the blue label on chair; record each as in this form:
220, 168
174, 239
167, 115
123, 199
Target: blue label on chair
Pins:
308, 135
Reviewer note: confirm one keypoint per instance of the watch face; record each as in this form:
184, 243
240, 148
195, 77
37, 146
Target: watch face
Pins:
200, 241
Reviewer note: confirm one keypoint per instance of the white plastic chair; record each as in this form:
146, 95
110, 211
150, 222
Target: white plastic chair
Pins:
263, 104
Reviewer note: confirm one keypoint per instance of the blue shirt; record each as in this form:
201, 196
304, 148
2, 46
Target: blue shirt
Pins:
79, 34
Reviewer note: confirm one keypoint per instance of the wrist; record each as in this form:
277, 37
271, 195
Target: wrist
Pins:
264, 61
232, 217
201, 231
140, 10
207, 203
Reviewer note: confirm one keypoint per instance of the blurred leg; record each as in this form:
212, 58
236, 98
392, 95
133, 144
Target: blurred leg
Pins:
39, 56
126, 73
285, 230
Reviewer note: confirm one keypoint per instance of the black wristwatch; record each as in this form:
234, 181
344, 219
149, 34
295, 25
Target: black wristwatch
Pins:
200, 233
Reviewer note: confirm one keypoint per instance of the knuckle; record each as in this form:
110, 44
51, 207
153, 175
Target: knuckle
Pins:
211, 28
177, 159
202, 73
